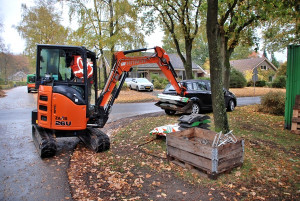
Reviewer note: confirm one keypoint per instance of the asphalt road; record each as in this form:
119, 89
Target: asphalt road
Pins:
23, 174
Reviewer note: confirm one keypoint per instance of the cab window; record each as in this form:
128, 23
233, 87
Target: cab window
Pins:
53, 62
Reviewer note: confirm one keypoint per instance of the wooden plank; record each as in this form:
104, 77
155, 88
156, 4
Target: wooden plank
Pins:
295, 126
296, 113
296, 132
200, 162
186, 133
296, 120
204, 134
223, 151
196, 132
296, 107
231, 154
297, 99
229, 165
190, 167
190, 146
236, 155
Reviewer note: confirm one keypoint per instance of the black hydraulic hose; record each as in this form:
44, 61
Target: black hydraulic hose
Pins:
172, 70
137, 50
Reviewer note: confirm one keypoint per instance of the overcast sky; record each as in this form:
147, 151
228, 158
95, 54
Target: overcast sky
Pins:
10, 15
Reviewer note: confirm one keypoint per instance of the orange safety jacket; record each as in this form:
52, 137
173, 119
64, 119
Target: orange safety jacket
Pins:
77, 67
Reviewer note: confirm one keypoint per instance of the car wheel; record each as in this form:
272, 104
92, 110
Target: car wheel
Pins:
130, 87
28, 90
170, 112
137, 88
195, 108
230, 105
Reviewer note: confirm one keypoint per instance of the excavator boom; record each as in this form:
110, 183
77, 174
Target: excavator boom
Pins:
122, 65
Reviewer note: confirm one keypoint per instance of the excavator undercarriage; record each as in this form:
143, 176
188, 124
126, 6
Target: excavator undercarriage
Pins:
45, 139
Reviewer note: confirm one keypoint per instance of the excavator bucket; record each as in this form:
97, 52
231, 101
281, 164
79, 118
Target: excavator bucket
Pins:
174, 103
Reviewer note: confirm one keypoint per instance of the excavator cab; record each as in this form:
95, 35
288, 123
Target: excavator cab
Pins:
65, 77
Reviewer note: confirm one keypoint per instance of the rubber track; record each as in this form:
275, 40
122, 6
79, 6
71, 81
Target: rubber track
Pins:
44, 142
96, 140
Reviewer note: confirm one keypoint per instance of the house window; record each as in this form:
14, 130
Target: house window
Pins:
263, 67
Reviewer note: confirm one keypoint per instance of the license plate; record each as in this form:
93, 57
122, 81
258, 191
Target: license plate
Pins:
147, 87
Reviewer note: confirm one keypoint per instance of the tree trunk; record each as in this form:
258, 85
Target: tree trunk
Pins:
188, 65
227, 70
225, 59
216, 67
103, 66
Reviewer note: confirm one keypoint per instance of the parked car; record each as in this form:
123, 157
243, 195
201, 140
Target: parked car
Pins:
140, 84
199, 93
128, 81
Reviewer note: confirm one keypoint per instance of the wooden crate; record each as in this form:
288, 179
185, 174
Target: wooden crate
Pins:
193, 147
296, 116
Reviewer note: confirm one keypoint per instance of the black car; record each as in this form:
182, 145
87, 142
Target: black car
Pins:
199, 94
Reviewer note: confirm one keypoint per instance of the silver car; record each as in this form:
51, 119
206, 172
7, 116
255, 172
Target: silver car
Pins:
141, 84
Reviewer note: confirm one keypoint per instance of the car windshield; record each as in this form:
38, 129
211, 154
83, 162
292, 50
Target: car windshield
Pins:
128, 79
142, 80
31, 79
198, 86
169, 87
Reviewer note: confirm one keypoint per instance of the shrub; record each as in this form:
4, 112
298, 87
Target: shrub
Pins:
260, 83
279, 82
203, 78
237, 79
159, 82
21, 83
158, 85
124, 87
273, 103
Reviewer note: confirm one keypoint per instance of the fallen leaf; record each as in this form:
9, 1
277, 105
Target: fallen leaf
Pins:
164, 195
238, 173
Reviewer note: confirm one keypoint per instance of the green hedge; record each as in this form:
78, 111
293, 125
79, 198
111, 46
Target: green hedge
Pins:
279, 82
259, 83
237, 79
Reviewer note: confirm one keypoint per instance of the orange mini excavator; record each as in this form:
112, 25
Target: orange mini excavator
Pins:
68, 104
